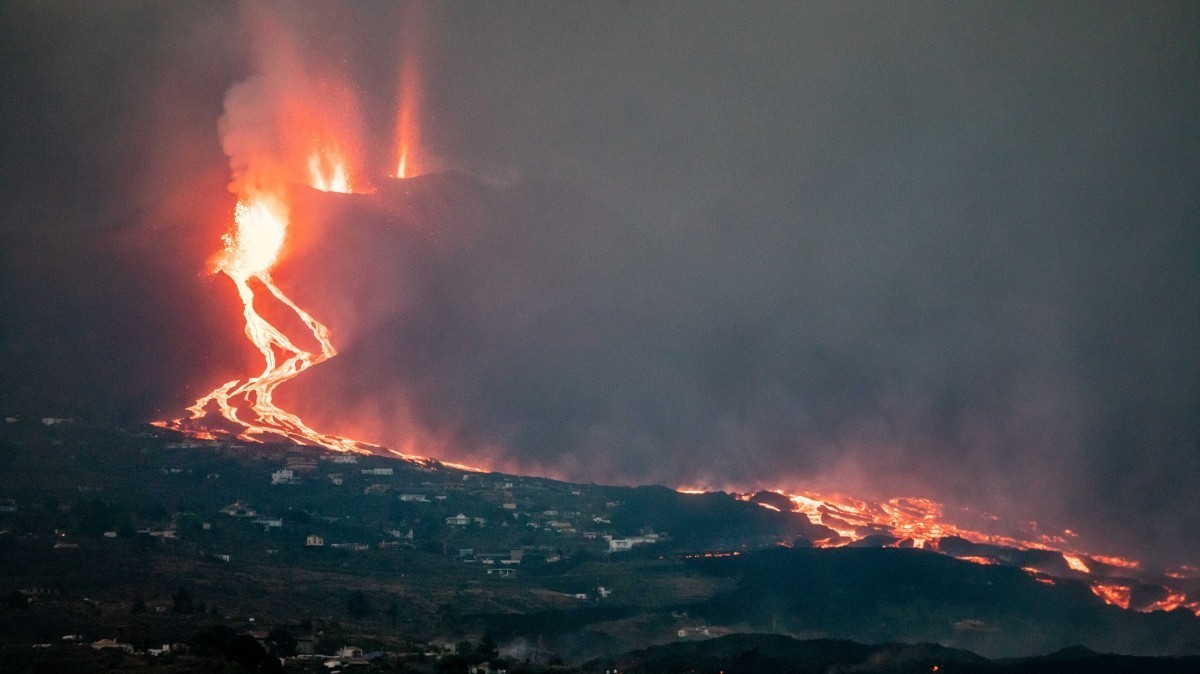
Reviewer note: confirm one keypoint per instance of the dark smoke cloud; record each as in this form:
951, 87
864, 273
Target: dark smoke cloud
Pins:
951, 250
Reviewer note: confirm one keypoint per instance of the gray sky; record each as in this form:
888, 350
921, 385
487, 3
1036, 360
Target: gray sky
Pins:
950, 249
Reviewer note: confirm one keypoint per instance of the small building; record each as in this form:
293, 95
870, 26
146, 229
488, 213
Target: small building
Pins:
502, 571
623, 544
305, 646
350, 652
377, 471
354, 547
301, 464
459, 520
314, 541
104, 644
239, 509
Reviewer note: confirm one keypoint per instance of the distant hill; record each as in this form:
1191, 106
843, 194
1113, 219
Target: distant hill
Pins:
757, 653
890, 594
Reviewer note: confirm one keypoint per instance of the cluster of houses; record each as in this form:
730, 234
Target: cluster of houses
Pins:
514, 499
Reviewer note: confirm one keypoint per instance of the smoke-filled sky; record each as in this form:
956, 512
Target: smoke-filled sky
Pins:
940, 249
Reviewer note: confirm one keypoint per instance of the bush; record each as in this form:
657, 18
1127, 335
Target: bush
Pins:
357, 605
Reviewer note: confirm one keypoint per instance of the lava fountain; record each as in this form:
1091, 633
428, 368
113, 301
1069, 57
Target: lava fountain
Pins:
288, 124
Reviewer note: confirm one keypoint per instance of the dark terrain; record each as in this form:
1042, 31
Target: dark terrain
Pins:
147, 538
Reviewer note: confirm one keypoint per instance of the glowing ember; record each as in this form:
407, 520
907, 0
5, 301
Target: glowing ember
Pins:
1172, 601
1111, 593
1183, 572
1117, 561
1076, 563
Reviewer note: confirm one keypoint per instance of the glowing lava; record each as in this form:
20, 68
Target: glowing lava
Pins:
1076, 563
294, 121
1117, 595
251, 249
921, 523
327, 172
409, 99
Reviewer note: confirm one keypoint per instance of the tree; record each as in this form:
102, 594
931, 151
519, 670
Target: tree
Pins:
281, 642
357, 605
15, 599
393, 612
246, 651
138, 605
182, 601
487, 647
212, 641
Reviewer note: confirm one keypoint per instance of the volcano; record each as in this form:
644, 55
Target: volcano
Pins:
442, 292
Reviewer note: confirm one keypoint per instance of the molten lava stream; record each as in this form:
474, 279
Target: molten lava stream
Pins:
259, 391
251, 249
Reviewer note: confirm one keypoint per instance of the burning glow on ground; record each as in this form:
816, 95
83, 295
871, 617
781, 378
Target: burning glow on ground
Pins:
921, 523
252, 247
1076, 563
1172, 601
1117, 595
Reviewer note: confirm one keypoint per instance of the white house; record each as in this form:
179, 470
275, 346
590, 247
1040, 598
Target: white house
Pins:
459, 520
239, 509
622, 544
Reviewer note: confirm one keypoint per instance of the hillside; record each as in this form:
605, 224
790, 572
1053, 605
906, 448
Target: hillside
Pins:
148, 538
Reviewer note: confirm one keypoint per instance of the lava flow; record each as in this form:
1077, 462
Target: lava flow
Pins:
251, 249
921, 523
295, 121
